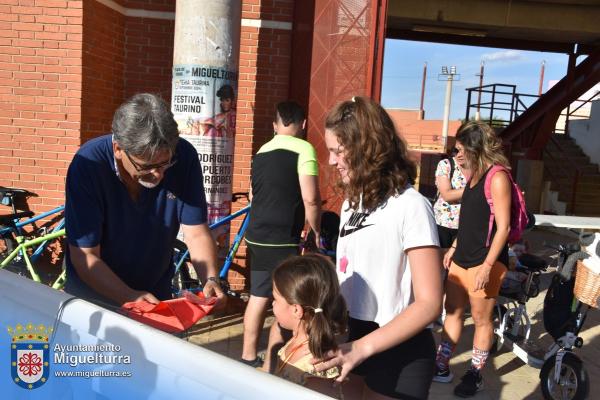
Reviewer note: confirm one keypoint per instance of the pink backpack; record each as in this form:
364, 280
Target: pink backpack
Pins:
518, 210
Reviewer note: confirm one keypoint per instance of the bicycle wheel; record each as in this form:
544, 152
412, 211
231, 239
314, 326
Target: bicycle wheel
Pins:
573, 383
7, 244
16, 264
185, 277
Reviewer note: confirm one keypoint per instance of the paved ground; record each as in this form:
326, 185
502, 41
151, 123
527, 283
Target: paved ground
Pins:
508, 378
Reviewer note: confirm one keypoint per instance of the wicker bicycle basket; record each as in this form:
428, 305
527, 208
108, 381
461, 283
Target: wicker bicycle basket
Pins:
587, 285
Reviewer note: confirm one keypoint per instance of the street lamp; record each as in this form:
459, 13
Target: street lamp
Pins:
480, 75
449, 75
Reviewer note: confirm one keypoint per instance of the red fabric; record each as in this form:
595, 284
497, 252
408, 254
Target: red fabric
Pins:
171, 316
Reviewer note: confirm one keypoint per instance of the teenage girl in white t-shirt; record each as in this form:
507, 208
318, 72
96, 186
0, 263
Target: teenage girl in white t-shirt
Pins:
387, 258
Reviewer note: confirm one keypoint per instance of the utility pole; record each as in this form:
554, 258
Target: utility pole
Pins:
204, 91
449, 75
542, 78
480, 75
422, 107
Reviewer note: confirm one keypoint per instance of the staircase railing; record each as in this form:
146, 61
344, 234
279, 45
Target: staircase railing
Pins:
518, 104
534, 127
531, 128
570, 113
495, 97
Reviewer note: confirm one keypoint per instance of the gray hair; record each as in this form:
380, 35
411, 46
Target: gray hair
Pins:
143, 125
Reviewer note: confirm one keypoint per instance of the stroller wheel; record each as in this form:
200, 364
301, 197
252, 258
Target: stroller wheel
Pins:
573, 383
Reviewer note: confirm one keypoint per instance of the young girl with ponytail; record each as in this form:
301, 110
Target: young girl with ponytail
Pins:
307, 301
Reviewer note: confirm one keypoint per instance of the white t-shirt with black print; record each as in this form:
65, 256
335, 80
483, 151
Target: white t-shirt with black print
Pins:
372, 264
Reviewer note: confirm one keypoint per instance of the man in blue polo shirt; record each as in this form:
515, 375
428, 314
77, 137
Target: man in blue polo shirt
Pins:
127, 194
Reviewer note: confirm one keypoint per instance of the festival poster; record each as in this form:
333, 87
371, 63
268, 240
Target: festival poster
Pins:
204, 106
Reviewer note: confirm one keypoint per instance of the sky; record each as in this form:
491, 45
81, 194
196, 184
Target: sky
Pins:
403, 72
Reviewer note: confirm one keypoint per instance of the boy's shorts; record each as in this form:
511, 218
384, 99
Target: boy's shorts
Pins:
263, 260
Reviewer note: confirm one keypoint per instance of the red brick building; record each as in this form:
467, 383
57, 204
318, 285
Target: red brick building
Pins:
66, 65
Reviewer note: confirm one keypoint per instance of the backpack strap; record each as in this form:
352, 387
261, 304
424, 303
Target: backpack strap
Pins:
452, 166
451, 161
487, 189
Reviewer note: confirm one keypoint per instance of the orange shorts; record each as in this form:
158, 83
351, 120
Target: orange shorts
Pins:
465, 278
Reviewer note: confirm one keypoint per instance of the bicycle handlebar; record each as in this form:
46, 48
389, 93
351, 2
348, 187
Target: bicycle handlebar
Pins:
15, 192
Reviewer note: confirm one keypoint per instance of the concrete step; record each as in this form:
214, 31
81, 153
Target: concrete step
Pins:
554, 205
571, 149
589, 169
563, 170
580, 198
588, 179
580, 159
587, 210
560, 171
588, 198
564, 163
588, 188
567, 191
572, 160
562, 146
562, 137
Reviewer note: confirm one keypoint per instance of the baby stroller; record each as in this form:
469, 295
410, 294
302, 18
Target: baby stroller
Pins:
573, 291
562, 374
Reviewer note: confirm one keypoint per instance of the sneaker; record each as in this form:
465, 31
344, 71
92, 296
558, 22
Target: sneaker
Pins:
472, 382
443, 376
256, 363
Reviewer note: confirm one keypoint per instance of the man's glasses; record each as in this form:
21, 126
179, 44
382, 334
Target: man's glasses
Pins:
147, 169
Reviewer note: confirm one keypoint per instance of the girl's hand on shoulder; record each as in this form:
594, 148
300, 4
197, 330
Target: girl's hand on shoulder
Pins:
346, 358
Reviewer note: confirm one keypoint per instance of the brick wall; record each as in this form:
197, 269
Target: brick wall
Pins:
40, 95
152, 5
65, 66
149, 56
64, 69
264, 76
103, 66
425, 134
123, 56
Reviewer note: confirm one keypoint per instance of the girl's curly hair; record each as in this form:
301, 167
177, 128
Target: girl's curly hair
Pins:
377, 158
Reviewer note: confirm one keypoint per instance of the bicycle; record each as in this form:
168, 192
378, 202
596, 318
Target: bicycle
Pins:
16, 243
41, 242
8, 196
185, 277
562, 374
